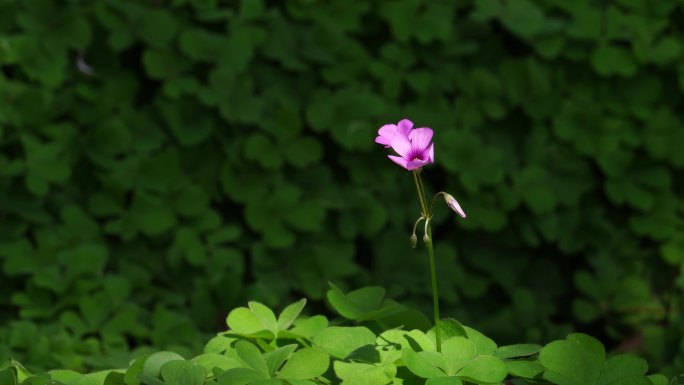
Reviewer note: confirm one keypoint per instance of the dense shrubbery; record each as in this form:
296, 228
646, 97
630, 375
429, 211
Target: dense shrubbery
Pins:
163, 161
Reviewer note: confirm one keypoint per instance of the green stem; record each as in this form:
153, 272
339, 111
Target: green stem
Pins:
421, 198
435, 293
431, 253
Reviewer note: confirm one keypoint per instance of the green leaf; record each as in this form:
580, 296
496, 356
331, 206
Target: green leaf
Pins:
354, 305
261, 149
251, 355
219, 344
163, 63
75, 31
264, 315
136, 368
358, 373
449, 328
612, 60
484, 369
242, 320
157, 26
251, 9
623, 369
274, 359
239, 376
658, 379
303, 151
340, 341
518, 350
525, 369
457, 352
577, 360
199, 44
210, 361
95, 309
342, 304
290, 314
418, 341
189, 246
114, 378
153, 363
305, 364
149, 380
484, 344
523, 17
419, 365
183, 373
444, 381
401, 17
667, 50
152, 215
305, 216
70, 377
8, 377
309, 327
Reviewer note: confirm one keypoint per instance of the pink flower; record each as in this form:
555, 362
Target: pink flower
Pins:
453, 204
413, 145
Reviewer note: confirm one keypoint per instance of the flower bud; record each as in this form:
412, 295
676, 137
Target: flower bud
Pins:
453, 204
414, 240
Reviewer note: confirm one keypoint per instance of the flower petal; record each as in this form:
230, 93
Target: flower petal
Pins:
405, 126
385, 134
401, 144
420, 138
431, 153
399, 160
417, 163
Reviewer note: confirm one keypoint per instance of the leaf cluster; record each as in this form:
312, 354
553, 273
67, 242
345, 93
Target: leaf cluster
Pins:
260, 348
161, 161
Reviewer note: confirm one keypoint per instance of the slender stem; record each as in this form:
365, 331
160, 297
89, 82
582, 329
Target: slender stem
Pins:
422, 189
435, 293
432, 204
431, 253
421, 198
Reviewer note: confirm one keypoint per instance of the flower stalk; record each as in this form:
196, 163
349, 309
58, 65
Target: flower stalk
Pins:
427, 238
414, 149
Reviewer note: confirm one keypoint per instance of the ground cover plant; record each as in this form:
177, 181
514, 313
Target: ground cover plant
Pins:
261, 348
162, 162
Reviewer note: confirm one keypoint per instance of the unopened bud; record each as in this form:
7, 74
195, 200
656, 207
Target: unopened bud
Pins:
414, 240
453, 204
426, 239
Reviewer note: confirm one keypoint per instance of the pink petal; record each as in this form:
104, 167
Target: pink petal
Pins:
431, 153
385, 134
405, 126
420, 138
399, 160
401, 144
417, 163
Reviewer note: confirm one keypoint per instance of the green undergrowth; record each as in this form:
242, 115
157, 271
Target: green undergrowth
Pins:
163, 161
377, 341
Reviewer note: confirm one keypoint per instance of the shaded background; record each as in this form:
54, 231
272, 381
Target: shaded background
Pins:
164, 161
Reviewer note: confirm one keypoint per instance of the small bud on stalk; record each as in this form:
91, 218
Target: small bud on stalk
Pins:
453, 204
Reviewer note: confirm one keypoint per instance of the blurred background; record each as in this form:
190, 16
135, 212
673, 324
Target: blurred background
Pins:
162, 162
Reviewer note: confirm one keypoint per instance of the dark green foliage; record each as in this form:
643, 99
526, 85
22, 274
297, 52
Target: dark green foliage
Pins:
161, 161
349, 355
